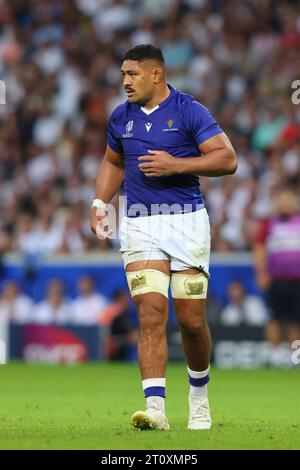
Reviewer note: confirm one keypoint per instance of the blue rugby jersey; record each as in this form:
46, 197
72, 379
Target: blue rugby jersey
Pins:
178, 125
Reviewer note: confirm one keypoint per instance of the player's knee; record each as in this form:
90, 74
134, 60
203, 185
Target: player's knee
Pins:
193, 323
152, 316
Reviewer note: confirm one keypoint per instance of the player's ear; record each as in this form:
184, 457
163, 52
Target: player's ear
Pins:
157, 75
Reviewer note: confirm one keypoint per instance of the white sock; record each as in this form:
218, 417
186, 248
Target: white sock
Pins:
160, 402
155, 392
197, 389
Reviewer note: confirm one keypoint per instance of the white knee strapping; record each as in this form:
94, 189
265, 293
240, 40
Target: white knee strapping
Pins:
148, 280
189, 286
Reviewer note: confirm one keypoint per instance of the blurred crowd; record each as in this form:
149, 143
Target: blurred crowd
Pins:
60, 61
88, 308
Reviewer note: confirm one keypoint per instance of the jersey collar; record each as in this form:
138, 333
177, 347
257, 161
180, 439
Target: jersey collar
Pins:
160, 105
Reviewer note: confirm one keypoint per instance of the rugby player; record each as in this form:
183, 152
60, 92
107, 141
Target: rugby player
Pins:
159, 141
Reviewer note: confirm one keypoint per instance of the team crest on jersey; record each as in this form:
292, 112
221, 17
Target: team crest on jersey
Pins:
128, 129
170, 127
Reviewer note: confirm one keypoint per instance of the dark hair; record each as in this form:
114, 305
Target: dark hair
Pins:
144, 52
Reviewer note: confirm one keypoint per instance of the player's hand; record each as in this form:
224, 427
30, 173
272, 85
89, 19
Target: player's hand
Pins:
99, 223
158, 163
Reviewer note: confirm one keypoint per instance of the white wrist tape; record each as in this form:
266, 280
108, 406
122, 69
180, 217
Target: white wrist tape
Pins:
99, 204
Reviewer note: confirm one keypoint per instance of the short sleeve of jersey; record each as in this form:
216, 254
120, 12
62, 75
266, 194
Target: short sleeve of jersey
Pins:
112, 138
201, 122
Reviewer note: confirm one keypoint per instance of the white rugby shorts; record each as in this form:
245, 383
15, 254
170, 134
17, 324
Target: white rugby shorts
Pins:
183, 239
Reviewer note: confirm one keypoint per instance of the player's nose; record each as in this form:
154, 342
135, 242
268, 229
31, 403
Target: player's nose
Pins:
126, 81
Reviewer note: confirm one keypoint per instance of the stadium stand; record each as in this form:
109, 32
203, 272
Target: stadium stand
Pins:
60, 62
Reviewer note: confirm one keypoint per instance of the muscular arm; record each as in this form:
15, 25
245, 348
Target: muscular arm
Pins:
218, 158
110, 175
109, 180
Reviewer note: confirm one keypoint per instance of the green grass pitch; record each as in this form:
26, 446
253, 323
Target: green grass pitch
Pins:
89, 407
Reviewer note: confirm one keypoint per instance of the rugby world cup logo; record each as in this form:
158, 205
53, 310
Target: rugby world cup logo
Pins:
128, 128
170, 123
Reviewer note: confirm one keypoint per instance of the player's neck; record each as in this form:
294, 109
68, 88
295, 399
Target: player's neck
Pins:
159, 97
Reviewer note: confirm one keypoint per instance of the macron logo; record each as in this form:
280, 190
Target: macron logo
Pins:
148, 126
